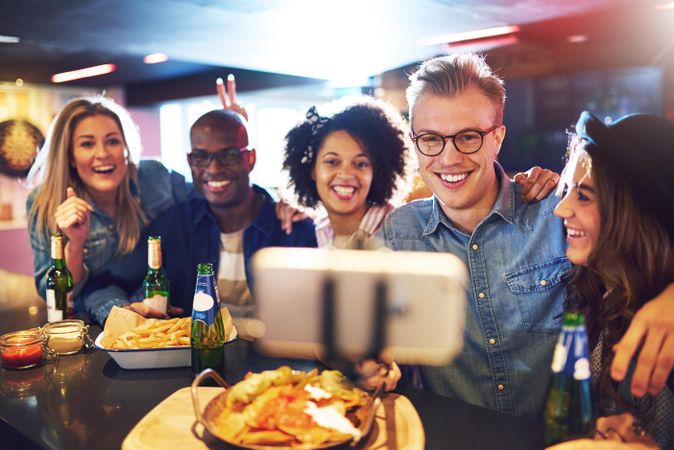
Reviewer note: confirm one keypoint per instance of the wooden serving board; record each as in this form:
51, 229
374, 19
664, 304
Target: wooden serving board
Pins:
171, 424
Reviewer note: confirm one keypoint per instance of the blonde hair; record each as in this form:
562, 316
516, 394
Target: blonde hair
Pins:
53, 173
447, 76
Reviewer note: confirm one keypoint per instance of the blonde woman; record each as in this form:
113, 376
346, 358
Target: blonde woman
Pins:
90, 187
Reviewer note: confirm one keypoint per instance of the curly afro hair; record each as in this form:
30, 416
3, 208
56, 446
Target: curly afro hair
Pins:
377, 127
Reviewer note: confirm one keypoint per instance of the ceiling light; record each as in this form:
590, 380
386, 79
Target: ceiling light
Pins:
9, 39
576, 38
479, 45
664, 6
470, 35
83, 73
155, 58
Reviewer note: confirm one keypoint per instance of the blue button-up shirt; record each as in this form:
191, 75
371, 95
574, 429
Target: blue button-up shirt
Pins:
190, 235
516, 260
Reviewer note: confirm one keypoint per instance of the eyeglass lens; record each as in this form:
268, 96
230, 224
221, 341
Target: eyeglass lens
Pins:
229, 156
468, 141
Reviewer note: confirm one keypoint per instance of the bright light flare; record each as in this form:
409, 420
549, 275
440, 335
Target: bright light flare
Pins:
576, 39
9, 39
663, 6
480, 45
93, 71
470, 35
155, 58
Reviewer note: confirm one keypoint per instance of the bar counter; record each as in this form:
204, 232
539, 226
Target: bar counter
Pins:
86, 401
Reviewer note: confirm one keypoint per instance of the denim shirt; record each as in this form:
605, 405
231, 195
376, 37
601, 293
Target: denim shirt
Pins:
516, 260
190, 235
158, 189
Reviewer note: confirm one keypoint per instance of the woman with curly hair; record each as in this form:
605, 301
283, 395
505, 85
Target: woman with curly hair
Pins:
617, 206
350, 163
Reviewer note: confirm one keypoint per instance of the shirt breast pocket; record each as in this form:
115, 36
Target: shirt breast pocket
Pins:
98, 250
539, 293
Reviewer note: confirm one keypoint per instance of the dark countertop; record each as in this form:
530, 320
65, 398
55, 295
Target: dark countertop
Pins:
87, 401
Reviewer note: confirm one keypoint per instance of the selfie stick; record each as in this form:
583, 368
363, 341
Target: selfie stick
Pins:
332, 353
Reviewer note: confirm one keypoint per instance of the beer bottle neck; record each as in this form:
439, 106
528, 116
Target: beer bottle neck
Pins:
154, 254
57, 257
59, 263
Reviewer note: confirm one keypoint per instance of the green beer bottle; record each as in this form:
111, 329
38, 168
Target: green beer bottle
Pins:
568, 409
208, 331
155, 284
59, 283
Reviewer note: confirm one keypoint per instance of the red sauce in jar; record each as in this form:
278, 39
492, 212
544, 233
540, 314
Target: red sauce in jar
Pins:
21, 350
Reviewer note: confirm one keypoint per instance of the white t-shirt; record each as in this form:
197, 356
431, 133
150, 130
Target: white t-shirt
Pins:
232, 284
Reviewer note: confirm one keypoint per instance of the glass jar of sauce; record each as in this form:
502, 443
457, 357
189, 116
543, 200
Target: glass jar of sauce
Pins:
21, 349
66, 337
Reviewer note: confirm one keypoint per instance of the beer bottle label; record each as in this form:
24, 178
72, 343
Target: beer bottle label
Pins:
205, 306
571, 355
581, 360
157, 302
53, 314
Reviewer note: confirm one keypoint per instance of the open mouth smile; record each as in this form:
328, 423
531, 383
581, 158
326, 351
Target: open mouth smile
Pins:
574, 233
344, 192
453, 179
103, 169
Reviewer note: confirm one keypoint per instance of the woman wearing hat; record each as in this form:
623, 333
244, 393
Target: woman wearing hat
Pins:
617, 207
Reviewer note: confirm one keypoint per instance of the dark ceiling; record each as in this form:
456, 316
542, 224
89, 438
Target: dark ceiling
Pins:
281, 42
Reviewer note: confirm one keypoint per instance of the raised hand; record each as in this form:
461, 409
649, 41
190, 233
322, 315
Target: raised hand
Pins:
374, 373
145, 310
536, 183
72, 218
228, 95
653, 325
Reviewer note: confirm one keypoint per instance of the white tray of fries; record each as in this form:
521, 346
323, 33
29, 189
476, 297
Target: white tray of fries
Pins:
148, 358
152, 344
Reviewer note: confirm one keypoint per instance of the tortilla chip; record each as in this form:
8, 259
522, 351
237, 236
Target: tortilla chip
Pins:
119, 321
227, 322
266, 437
231, 425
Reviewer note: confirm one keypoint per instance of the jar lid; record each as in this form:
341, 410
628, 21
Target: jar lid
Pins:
63, 326
21, 338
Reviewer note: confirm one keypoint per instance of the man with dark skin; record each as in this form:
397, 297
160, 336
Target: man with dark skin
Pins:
227, 219
224, 220
226, 187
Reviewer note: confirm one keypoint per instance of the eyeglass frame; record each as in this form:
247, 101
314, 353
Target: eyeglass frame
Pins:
216, 155
415, 139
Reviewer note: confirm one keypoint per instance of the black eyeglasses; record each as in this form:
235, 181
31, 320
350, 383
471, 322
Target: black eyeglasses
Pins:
466, 141
227, 157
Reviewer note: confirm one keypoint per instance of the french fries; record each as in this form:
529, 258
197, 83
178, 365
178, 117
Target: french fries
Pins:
155, 333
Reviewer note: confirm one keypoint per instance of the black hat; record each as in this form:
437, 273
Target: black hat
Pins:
640, 148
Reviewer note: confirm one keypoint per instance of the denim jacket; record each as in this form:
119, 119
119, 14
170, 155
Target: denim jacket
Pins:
190, 235
516, 260
158, 189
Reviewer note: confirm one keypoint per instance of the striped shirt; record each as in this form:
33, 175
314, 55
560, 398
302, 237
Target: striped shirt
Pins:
369, 225
232, 285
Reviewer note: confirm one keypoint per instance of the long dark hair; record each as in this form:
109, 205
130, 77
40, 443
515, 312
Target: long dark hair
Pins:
631, 263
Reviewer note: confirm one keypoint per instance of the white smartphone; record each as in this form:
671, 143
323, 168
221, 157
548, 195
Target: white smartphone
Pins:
424, 315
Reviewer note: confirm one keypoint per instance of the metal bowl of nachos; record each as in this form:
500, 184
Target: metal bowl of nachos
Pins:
286, 409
